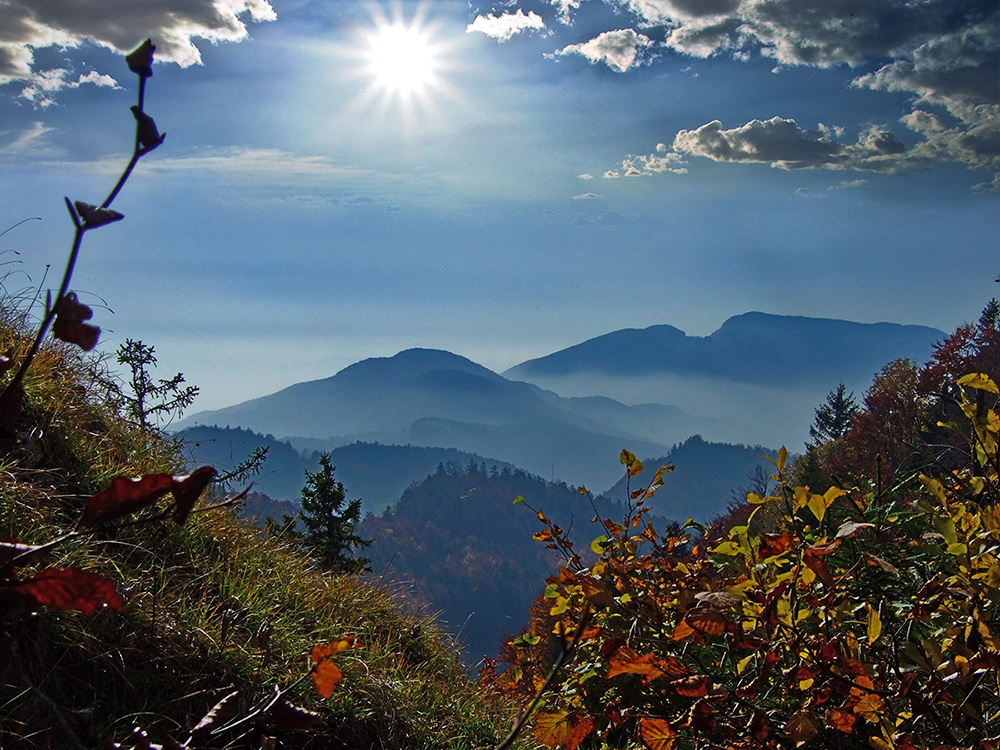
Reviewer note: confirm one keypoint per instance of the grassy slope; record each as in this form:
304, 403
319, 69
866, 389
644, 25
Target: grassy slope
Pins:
211, 607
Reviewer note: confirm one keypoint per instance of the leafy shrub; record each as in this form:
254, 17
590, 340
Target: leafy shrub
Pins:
867, 619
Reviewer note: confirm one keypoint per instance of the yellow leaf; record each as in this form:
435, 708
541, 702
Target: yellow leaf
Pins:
874, 625
741, 665
562, 729
980, 381
782, 457
818, 506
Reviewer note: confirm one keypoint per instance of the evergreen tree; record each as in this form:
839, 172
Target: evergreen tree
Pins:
833, 418
330, 526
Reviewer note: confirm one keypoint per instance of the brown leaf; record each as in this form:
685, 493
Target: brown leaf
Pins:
802, 728
818, 566
701, 717
657, 734
69, 326
71, 589
759, 726
706, 620
219, 714
287, 715
695, 686
562, 729
95, 216
10, 410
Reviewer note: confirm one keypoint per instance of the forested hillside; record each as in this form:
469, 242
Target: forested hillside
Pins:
457, 543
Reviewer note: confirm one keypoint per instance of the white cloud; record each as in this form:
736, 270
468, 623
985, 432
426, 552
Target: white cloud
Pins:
44, 85
29, 25
565, 8
585, 176
506, 25
586, 197
619, 50
612, 174
850, 185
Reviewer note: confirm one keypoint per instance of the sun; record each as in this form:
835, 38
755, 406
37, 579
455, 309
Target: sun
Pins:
402, 59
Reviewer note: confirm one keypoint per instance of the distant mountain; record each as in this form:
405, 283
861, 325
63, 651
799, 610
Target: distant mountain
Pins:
704, 480
758, 379
751, 348
433, 398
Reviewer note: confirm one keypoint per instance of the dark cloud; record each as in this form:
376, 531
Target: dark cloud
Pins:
26, 25
782, 143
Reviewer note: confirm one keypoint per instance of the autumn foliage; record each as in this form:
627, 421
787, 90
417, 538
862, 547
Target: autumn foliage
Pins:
868, 618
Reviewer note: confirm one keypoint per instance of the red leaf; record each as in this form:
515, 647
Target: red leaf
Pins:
706, 620
186, 491
289, 716
72, 589
125, 495
696, 686
759, 727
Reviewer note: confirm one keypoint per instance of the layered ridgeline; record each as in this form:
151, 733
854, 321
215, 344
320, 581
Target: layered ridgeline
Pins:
755, 380
758, 377
431, 398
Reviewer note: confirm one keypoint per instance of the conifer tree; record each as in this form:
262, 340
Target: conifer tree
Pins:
833, 418
330, 520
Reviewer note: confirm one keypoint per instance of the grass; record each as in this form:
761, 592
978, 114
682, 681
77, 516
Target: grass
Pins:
211, 607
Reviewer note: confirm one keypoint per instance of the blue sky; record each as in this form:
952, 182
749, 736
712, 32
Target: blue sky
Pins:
342, 180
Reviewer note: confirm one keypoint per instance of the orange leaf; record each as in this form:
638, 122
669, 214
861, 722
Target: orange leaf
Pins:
627, 661
657, 734
71, 589
325, 676
775, 544
562, 729
869, 706
322, 650
841, 720
682, 630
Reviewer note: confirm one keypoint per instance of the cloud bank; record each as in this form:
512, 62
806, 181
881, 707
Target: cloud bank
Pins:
28, 25
944, 53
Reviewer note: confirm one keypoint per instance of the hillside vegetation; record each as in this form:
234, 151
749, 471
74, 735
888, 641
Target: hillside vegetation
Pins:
136, 610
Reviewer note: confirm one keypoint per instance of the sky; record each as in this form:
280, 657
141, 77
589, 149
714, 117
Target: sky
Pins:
341, 179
